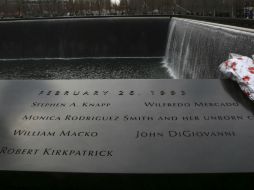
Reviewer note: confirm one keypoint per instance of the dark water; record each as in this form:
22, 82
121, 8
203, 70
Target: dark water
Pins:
119, 68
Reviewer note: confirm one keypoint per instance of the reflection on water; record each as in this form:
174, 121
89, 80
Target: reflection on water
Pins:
119, 68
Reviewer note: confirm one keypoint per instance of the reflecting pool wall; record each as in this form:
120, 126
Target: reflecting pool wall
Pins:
195, 49
84, 37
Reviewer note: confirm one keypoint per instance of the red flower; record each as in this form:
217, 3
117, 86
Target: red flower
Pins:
246, 93
246, 78
226, 63
233, 66
251, 70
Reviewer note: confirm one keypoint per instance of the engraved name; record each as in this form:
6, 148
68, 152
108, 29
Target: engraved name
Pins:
184, 134
73, 104
63, 133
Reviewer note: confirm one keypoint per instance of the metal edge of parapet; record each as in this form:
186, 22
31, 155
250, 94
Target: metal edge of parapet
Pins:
216, 25
46, 19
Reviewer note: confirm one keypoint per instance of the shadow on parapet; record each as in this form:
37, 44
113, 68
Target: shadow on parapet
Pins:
15, 100
235, 92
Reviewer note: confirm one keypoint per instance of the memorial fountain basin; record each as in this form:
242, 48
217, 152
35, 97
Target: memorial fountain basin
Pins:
141, 47
150, 50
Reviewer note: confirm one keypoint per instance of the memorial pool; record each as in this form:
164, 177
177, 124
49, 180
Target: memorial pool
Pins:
123, 48
86, 68
128, 47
